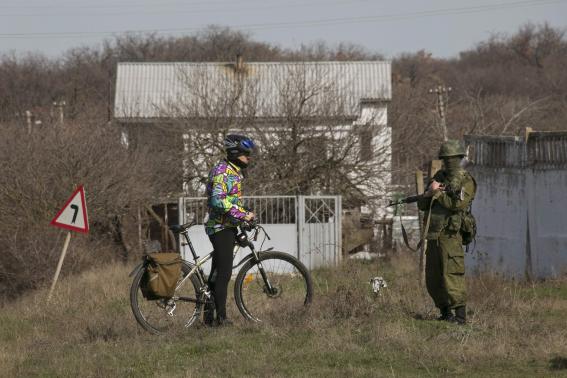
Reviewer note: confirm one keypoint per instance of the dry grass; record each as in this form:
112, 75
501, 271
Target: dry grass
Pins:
516, 329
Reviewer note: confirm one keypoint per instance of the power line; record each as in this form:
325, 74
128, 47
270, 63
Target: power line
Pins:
167, 8
310, 23
116, 4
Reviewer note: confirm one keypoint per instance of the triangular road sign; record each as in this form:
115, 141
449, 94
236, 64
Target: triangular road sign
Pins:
73, 216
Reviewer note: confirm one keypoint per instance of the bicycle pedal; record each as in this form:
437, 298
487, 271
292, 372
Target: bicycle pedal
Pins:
171, 309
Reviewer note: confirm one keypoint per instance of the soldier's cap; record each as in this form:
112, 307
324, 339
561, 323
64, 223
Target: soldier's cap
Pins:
451, 148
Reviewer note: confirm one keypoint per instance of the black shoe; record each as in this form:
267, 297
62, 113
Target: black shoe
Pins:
209, 314
446, 315
223, 322
460, 315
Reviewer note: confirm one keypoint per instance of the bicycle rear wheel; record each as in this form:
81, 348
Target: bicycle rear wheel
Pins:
166, 315
292, 289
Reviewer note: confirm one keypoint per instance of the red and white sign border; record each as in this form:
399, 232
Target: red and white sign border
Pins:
54, 221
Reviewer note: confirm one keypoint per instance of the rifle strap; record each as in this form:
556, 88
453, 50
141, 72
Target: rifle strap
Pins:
405, 235
422, 236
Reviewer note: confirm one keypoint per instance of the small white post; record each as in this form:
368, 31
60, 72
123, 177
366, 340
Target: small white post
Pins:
59, 265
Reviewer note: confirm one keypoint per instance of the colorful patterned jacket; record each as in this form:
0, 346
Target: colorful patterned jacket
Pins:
223, 197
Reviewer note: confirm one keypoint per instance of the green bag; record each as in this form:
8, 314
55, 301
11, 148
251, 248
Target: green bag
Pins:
468, 223
162, 273
468, 227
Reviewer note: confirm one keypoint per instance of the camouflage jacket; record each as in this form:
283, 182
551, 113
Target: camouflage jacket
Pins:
449, 204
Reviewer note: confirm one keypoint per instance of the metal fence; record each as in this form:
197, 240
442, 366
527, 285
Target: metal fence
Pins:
307, 227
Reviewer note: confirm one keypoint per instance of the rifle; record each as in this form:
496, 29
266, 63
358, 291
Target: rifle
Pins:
401, 201
412, 199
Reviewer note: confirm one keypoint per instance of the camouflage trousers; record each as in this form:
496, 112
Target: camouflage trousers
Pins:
445, 271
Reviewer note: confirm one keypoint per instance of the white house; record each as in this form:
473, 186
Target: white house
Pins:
334, 100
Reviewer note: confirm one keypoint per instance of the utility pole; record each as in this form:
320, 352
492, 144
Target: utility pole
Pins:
109, 96
442, 99
60, 105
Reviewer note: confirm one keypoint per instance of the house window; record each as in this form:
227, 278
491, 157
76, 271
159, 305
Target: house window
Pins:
365, 139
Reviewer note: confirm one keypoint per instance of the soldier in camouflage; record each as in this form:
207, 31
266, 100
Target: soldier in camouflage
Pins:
448, 196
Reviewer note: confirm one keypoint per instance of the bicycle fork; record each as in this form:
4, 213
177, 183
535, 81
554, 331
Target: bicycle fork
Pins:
268, 288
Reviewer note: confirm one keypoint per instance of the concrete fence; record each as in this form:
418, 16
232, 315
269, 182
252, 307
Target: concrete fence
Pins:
521, 204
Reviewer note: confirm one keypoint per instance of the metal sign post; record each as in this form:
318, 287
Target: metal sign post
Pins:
59, 265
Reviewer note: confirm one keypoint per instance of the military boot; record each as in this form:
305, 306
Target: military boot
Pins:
460, 315
446, 314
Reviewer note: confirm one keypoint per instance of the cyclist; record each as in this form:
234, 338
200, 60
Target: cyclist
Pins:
225, 214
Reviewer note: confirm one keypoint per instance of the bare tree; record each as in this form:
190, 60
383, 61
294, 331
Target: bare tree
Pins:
307, 144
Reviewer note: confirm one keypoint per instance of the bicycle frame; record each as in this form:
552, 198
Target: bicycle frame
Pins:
200, 261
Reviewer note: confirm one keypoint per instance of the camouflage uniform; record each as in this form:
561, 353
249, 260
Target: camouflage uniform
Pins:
445, 267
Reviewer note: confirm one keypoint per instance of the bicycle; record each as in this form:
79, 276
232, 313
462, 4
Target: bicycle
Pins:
269, 284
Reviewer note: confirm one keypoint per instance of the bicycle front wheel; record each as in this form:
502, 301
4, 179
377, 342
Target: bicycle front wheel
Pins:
167, 314
274, 287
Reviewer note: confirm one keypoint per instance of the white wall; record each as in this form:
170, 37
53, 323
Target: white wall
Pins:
522, 222
501, 214
376, 115
547, 214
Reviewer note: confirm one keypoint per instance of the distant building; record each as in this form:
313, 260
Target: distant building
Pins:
339, 99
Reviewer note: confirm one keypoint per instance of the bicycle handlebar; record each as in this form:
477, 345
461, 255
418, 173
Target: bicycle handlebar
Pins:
246, 226
252, 225
249, 225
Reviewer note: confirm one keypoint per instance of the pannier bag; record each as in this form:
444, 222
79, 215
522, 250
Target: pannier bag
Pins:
162, 272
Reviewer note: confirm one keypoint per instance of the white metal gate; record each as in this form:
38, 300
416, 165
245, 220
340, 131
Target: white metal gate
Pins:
319, 230
307, 227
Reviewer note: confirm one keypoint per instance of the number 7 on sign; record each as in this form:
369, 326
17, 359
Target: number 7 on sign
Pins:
76, 208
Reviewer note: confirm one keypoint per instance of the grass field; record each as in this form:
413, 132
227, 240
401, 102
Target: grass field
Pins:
516, 329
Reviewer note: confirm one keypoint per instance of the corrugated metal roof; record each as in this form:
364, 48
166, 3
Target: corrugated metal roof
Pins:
543, 150
156, 90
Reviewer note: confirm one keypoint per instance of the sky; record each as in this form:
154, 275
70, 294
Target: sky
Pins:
442, 27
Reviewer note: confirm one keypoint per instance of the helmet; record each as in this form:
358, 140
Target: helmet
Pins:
451, 148
237, 145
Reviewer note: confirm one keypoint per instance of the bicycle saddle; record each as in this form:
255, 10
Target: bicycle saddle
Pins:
177, 228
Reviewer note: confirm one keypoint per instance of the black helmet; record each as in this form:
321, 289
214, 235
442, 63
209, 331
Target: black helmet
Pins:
237, 145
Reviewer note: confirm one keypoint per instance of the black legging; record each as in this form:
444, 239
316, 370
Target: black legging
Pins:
221, 269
